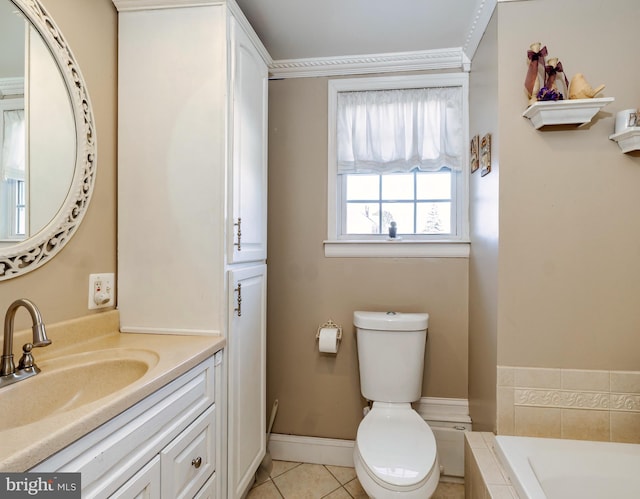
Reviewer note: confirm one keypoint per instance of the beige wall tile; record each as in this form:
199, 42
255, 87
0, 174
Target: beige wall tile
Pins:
505, 376
625, 381
490, 439
489, 468
505, 408
534, 377
574, 379
625, 427
538, 422
502, 492
583, 424
475, 487
475, 440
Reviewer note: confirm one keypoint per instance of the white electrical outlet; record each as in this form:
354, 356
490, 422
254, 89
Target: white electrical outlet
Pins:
101, 291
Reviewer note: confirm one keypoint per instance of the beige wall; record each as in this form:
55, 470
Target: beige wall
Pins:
569, 267
59, 288
319, 395
483, 263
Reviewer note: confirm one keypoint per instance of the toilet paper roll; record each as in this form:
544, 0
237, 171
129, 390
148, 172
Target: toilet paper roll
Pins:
328, 341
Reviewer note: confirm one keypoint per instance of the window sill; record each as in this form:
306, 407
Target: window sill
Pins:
396, 249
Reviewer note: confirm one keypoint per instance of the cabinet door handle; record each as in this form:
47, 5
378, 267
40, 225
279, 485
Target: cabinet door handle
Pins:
239, 234
197, 462
239, 300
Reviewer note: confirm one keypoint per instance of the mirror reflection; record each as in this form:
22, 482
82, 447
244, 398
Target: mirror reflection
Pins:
37, 130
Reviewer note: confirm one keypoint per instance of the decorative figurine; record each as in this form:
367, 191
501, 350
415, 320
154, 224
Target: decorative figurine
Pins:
580, 89
535, 73
553, 67
393, 230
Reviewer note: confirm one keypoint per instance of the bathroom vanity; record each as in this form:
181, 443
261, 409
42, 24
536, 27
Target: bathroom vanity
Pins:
133, 413
162, 447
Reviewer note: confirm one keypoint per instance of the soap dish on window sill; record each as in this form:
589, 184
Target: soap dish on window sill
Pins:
565, 112
628, 140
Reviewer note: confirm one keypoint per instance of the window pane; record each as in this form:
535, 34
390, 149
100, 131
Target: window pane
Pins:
434, 218
401, 214
362, 218
435, 185
363, 187
397, 186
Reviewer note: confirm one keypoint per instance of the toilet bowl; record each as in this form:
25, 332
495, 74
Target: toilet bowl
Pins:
395, 453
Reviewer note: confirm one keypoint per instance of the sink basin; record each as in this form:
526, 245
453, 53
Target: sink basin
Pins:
69, 382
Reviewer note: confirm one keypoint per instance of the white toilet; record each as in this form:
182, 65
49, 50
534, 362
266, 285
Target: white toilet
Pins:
395, 453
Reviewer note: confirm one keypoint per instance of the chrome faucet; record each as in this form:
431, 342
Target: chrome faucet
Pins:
26, 367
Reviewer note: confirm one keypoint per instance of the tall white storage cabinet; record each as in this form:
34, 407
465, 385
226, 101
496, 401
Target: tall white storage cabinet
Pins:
192, 179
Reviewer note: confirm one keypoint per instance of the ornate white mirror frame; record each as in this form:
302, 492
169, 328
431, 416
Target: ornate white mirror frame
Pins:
30, 254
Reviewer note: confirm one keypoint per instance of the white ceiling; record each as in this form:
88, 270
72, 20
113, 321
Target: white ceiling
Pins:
302, 29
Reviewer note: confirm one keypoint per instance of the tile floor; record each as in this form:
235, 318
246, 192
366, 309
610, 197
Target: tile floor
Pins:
315, 481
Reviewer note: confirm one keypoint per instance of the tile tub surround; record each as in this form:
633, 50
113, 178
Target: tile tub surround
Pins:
25, 446
484, 476
569, 403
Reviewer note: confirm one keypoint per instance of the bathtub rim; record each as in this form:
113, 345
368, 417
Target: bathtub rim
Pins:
513, 456
513, 453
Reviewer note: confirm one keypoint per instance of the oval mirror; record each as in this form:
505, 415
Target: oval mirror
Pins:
47, 139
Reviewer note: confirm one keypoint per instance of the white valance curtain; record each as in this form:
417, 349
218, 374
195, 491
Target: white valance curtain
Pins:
388, 131
12, 157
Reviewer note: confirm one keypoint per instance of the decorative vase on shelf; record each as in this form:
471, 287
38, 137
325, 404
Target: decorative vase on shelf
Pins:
536, 71
551, 90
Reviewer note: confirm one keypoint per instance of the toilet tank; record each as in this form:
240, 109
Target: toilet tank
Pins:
391, 354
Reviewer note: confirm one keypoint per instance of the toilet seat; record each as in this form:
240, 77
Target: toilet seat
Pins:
396, 448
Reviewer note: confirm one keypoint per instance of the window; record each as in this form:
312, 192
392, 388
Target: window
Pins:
13, 207
418, 203
397, 153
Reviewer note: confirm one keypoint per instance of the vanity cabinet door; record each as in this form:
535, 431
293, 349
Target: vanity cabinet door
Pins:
188, 461
145, 484
246, 350
248, 167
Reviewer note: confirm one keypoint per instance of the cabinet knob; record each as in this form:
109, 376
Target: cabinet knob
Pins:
197, 462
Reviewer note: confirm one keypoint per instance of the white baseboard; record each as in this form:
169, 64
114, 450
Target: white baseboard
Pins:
447, 410
439, 412
314, 450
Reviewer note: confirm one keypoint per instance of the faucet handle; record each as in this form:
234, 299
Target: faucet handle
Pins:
26, 361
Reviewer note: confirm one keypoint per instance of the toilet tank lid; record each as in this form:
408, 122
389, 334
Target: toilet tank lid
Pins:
391, 321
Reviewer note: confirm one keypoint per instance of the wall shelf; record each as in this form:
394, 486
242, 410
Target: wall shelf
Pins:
628, 140
565, 112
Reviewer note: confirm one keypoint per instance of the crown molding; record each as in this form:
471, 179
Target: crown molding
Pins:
233, 7
11, 87
452, 58
482, 15
128, 5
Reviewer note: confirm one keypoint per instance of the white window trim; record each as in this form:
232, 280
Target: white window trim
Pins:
456, 247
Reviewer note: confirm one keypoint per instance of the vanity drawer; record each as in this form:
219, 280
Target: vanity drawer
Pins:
208, 490
189, 460
144, 484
